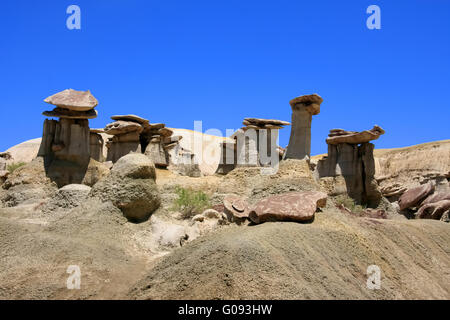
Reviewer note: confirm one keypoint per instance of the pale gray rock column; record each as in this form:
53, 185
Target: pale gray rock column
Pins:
303, 108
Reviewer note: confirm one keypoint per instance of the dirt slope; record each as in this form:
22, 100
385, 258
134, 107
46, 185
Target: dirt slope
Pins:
327, 259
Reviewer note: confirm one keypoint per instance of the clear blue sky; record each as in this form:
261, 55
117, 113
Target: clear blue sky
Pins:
222, 60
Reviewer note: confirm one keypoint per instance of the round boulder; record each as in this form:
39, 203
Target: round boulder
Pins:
131, 187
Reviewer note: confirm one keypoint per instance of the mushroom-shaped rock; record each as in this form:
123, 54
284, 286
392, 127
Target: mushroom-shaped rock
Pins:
73, 100
122, 127
70, 114
303, 108
235, 207
292, 206
414, 196
351, 137
434, 210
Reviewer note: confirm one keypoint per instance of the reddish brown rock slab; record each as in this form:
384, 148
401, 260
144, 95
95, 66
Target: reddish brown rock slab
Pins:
356, 137
434, 210
73, 100
414, 196
436, 197
236, 206
293, 206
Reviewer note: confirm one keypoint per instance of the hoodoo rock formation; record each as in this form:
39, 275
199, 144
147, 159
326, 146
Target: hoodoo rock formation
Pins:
65, 144
253, 145
350, 155
303, 108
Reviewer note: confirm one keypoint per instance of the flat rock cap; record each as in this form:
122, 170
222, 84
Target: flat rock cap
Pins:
73, 100
131, 117
311, 101
258, 121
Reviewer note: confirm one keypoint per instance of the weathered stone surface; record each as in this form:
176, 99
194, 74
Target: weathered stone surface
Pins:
65, 147
371, 193
130, 187
95, 172
263, 122
117, 150
68, 197
211, 214
2, 164
165, 132
436, 197
434, 210
172, 139
393, 190
293, 206
414, 196
127, 137
156, 126
235, 207
356, 137
73, 100
246, 148
28, 184
136, 166
356, 164
303, 108
132, 118
122, 127
3, 176
5, 155
157, 154
70, 114
96, 146
310, 102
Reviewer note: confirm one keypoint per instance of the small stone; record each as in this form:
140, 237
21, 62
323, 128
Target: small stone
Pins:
236, 206
211, 214
198, 218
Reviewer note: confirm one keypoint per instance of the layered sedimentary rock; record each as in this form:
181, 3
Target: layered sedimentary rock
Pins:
354, 161
303, 108
126, 137
65, 144
413, 197
339, 136
253, 145
96, 144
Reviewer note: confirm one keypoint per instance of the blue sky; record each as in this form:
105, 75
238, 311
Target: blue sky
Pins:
220, 61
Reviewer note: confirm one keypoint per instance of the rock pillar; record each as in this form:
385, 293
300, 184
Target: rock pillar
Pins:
66, 142
303, 108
